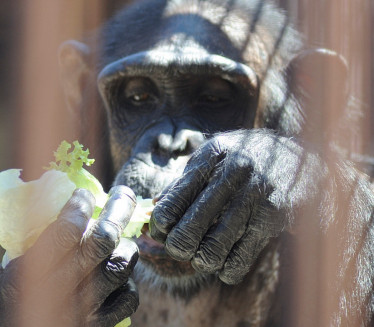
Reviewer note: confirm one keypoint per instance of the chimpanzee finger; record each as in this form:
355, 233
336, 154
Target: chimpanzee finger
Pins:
103, 237
157, 235
242, 256
62, 235
97, 244
108, 276
184, 239
121, 304
172, 206
221, 237
165, 191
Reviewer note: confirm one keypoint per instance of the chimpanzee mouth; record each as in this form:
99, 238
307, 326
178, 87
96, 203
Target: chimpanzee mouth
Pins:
147, 244
159, 271
152, 253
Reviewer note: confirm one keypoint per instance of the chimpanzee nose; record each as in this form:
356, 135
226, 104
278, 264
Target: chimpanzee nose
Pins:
184, 142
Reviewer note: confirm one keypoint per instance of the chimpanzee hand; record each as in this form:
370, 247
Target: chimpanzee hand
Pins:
237, 191
72, 277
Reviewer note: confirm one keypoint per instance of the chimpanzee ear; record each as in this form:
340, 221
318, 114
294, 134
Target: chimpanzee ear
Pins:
74, 71
317, 74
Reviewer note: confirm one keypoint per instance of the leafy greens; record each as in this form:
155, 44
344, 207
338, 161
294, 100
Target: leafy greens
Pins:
27, 208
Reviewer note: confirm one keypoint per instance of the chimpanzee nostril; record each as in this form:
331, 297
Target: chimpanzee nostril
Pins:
184, 142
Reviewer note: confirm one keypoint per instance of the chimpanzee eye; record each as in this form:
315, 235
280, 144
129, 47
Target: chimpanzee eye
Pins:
215, 92
210, 98
140, 97
139, 91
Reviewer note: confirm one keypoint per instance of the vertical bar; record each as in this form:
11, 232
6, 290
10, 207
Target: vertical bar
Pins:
42, 118
345, 26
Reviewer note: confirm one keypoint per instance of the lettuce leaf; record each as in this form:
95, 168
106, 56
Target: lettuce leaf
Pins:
124, 323
71, 163
27, 208
140, 216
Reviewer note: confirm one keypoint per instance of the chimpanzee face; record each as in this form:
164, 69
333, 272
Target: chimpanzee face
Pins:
165, 104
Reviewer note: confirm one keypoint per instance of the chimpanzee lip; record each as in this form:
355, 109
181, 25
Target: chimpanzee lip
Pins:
148, 245
153, 253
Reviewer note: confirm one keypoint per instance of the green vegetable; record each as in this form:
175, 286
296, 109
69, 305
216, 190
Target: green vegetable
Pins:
124, 323
71, 163
27, 208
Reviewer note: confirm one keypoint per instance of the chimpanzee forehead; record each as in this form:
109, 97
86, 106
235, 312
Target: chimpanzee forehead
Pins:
208, 21
226, 28
173, 30
194, 31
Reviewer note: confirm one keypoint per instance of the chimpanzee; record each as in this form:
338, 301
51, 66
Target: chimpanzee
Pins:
212, 108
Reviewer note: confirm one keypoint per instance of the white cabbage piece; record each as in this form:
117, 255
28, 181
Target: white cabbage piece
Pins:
27, 208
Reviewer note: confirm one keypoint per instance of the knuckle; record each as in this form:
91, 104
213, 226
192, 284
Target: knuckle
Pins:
116, 271
180, 245
233, 272
96, 250
208, 259
200, 265
102, 241
162, 216
125, 259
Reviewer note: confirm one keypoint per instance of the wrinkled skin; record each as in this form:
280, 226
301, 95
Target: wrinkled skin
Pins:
73, 277
232, 197
215, 105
